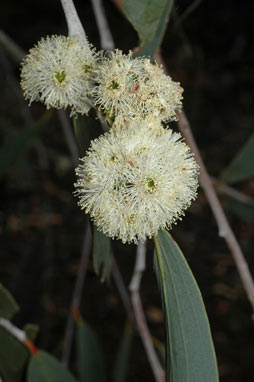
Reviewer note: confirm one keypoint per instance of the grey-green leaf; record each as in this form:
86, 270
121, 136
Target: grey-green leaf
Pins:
31, 331
245, 211
90, 362
102, 258
13, 357
149, 18
190, 353
123, 354
16, 145
43, 367
8, 306
242, 166
85, 129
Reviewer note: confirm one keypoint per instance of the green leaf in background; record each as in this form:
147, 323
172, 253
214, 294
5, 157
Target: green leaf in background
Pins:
160, 349
102, 258
90, 362
85, 129
13, 357
31, 331
245, 211
189, 347
45, 368
242, 166
149, 18
16, 145
8, 306
123, 354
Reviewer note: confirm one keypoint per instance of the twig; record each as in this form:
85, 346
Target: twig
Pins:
122, 289
75, 27
76, 297
107, 43
19, 334
69, 136
225, 230
11, 47
106, 37
187, 12
139, 313
230, 191
140, 262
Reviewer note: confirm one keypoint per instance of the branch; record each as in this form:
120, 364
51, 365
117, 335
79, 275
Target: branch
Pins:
19, 334
139, 313
69, 136
76, 297
75, 27
225, 230
11, 47
223, 188
106, 37
122, 289
140, 261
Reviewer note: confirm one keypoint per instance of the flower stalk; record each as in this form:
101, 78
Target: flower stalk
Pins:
75, 28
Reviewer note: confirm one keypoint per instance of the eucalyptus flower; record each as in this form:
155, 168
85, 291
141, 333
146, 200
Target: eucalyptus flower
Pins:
129, 88
136, 180
57, 72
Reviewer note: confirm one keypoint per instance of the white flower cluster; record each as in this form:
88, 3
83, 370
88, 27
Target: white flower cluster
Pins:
58, 73
137, 180
129, 88
61, 73
139, 177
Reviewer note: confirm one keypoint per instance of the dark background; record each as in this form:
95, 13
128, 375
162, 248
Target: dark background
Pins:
41, 227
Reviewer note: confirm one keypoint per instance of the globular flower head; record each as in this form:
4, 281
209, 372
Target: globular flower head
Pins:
162, 95
134, 88
57, 72
136, 180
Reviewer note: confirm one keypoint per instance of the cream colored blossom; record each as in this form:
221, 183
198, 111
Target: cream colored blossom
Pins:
129, 88
136, 180
57, 72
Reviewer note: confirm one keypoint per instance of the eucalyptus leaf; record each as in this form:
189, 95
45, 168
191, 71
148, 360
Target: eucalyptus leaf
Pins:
31, 331
43, 367
245, 211
242, 166
102, 258
85, 129
150, 19
190, 353
16, 145
90, 361
8, 306
123, 354
13, 357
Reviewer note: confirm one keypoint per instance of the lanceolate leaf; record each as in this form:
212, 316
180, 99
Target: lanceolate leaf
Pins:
31, 331
149, 18
85, 129
13, 357
245, 211
90, 362
123, 354
43, 367
8, 306
189, 348
242, 166
102, 259
16, 145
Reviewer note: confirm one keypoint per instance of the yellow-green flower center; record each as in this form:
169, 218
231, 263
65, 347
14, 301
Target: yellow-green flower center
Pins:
114, 85
87, 68
60, 76
150, 185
